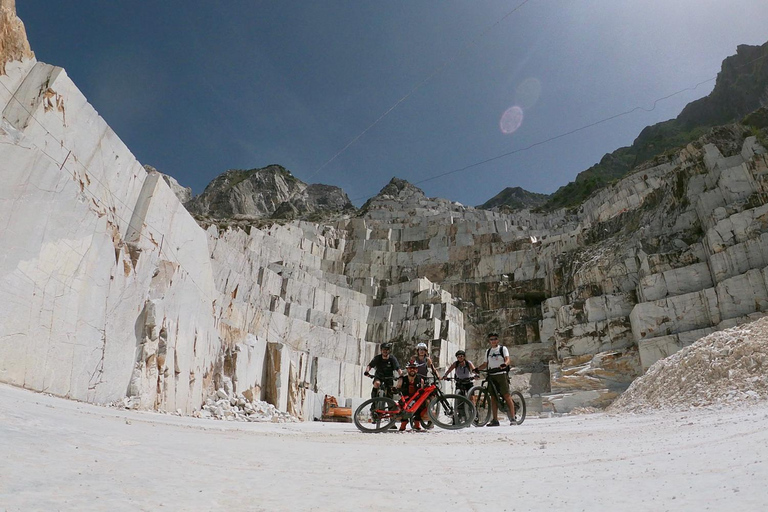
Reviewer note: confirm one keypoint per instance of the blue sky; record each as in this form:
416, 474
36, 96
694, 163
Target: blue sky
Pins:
196, 88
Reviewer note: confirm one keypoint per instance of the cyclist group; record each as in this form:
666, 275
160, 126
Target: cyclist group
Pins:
386, 365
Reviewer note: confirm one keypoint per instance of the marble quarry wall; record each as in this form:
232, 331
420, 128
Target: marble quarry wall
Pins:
110, 290
587, 299
106, 284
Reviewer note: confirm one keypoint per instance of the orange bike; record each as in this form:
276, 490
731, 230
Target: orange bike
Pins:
447, 411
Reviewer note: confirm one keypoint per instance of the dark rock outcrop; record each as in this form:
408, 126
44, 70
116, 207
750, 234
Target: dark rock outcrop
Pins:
313, 203
515, 198
268, 192
13, 37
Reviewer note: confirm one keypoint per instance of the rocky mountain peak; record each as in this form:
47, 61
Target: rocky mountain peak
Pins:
13, 37
396, 192
267, 192
515, 198
400, 190
740, 88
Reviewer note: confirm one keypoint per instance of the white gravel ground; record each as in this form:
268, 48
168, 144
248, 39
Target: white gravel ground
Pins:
63, 455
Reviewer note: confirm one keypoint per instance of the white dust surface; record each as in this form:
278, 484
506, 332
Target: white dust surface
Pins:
61, 455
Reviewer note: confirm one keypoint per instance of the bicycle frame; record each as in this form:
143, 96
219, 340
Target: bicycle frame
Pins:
491, 390
387, 386
494, 392
456, 389
415, 402
449, 411
407, 409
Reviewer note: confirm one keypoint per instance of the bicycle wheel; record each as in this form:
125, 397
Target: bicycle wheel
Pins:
481, 399
376, 414
451, 411
519, 401
425, 423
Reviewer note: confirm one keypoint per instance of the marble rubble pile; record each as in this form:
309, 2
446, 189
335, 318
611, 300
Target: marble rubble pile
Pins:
721, 369
229, 406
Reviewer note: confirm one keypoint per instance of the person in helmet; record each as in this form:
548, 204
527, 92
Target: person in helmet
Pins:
464, 369
409, 385
423, 361
498, 363
385, 365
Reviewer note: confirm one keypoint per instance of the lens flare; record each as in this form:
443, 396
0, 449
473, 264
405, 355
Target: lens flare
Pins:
511, 120
527, 93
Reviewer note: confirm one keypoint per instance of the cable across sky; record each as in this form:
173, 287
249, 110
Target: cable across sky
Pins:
565, 134
418, 86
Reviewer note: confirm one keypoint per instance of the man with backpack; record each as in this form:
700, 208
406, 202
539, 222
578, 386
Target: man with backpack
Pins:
497, 362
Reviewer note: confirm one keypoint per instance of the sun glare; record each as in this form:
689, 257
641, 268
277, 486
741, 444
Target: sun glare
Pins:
511, 120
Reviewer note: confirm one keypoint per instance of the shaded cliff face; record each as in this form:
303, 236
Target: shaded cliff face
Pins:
271, 191
315, 202
13, 37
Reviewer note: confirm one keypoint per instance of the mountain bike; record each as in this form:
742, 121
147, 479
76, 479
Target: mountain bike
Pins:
447, 411
387, 386
461, 386
480, 396
386, 389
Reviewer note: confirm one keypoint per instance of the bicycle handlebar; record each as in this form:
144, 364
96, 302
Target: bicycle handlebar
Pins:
505, 369
373, 376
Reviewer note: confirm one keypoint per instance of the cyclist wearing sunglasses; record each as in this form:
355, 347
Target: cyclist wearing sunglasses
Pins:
423, 361
385, 365
497, 362
464, 369
409, 385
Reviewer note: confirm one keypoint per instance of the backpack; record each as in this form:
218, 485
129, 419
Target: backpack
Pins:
456, 367
488, 353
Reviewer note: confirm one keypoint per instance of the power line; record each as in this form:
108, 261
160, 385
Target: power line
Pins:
418, 86
571, 132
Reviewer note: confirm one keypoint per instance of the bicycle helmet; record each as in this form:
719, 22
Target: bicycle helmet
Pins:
461, 353
386, 346
421, 346
411, 364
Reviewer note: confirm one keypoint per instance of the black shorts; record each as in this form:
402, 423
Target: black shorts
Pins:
388, 382
501, 382
463, 384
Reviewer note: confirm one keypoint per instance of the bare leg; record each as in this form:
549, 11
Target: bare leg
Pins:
510, 404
